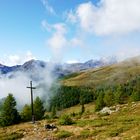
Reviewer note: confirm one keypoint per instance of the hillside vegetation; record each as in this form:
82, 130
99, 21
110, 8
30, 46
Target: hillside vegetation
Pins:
106, 86
120, 125
77, 107
109, 75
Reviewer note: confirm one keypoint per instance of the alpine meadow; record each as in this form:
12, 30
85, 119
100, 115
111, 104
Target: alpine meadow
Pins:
70, 70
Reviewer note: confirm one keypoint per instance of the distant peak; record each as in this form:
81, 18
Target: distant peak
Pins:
90, 61
1, 65
30, 61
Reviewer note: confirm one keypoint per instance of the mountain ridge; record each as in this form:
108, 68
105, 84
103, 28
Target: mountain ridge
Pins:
62, 69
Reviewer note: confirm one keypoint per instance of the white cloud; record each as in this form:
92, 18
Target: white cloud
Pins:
71, 17
29, 56
45, 25
110, 17
16, 86
11, 60
127, 51
48, 7
58, 41
17, 81
72, 61
58, 27
76, 42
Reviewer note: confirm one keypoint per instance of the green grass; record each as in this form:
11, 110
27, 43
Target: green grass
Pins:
118, 130
124, 124
70, 76
119, 124
63, 134
93, 123
85, 133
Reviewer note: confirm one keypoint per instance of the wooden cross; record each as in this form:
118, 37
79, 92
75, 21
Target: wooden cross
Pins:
32, 107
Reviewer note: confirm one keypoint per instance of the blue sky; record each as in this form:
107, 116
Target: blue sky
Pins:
68, 30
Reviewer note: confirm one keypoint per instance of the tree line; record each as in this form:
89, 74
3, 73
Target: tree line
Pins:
9, 114
118, 94
102, 95
67, 96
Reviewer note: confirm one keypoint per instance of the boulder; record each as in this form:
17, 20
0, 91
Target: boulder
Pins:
50, 127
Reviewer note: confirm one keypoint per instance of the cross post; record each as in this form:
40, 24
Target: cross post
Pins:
32, 107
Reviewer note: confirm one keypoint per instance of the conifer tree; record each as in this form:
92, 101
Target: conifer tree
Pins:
9, 114
26, 113
99, 102
38, 109
109, 98
119, 95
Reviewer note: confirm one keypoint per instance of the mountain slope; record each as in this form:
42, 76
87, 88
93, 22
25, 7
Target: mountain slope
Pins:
120, 125
35, 66
6, 69
116, 73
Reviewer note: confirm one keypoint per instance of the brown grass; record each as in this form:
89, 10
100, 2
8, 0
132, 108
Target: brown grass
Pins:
123, 124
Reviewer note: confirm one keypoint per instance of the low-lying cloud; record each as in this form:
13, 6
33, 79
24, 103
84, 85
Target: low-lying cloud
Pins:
17, 83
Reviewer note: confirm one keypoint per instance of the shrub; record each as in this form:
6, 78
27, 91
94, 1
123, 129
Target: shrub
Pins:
135, 96
73, 114
65, 120
53, 113
26, 113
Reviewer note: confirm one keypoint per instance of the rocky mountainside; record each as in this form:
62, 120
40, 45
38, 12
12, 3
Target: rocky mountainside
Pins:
58, 69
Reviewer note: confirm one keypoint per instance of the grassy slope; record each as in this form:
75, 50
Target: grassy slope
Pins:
118, 73
121, 125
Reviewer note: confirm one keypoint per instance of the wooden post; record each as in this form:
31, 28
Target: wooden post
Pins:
32, 107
